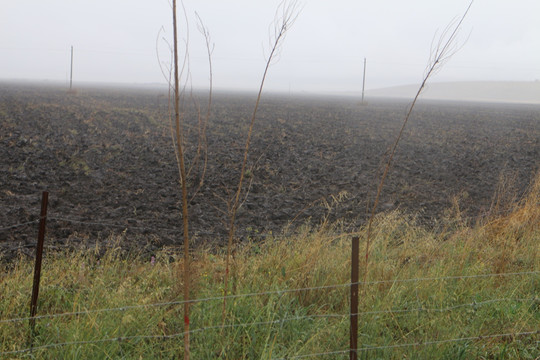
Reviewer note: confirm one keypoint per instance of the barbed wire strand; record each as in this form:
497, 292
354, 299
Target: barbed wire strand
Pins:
444, 309
343, 352
450, 277
373, 312
18, 225
119, 226
164, 337
139, 337
264, 293
131, 227
179, 302
425, 343
435, 342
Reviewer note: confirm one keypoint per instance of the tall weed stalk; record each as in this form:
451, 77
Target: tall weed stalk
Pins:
179, 139
183, 180
444, 49
284, 19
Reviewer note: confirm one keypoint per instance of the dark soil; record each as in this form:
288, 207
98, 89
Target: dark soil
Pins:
106, 157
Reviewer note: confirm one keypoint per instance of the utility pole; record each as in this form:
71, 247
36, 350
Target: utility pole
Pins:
71, 72
364, 81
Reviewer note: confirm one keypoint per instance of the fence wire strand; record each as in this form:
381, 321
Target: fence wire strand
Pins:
436, 342
193, 331
264, 293
363, 349
373, 312
338, 352
119, 226
424, 343
19, 225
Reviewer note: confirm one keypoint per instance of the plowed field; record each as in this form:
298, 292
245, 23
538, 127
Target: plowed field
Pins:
106, 157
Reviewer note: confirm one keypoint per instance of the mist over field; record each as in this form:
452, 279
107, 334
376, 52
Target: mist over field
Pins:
492, 91
324, 51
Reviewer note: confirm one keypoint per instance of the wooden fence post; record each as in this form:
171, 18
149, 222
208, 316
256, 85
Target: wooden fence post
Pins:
39, 255
354, 298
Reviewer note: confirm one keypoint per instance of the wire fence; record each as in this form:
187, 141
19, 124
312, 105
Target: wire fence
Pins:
285, 291
419, 308
474, 304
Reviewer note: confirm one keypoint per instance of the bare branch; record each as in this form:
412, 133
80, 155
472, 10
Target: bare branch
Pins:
286, 15
203, 122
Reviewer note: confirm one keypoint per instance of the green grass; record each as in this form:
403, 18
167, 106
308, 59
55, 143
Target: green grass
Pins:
280, 324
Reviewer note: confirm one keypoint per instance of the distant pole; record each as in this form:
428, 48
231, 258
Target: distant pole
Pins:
71, 72
364, 81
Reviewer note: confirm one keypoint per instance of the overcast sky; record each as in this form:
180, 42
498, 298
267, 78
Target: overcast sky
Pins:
115, 41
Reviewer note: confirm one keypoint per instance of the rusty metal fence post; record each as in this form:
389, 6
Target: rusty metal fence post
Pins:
39, 255
354, 298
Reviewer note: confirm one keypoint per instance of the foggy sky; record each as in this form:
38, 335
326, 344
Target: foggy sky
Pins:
115, 42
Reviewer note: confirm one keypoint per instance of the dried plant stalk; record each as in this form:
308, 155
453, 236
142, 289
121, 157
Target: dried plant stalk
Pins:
285, 17
446, 47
